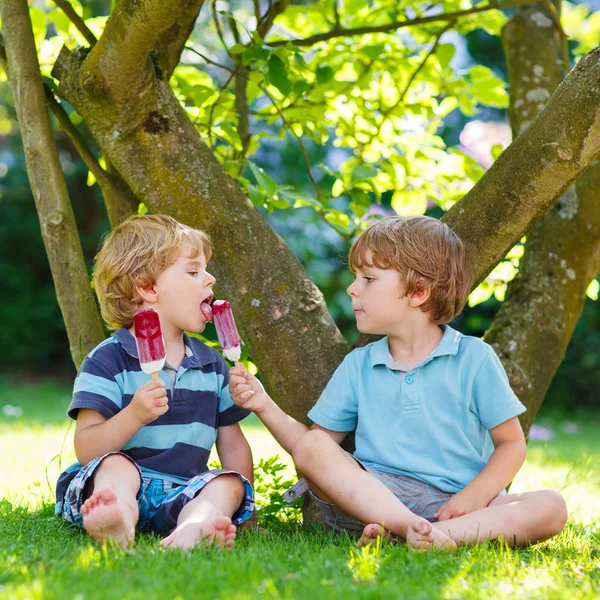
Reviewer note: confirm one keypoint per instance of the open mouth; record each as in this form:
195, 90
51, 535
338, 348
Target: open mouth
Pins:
207, 309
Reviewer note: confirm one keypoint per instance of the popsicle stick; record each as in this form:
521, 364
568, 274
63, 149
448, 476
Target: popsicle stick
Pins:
155, 375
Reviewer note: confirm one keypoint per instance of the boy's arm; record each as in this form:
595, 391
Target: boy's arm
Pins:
234, 451
95, 435
247, 392
235, 455
504, 463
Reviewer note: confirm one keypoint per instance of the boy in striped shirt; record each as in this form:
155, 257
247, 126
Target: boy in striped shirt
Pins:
143, 444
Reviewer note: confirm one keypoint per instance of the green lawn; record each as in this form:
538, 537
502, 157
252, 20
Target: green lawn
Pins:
41, 557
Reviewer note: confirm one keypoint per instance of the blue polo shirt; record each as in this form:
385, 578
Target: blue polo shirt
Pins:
432, 422
177, 445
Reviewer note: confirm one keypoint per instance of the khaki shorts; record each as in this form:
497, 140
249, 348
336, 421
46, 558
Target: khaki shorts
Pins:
423, 499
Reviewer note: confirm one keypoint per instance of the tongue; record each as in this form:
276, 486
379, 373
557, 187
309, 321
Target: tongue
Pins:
207, 311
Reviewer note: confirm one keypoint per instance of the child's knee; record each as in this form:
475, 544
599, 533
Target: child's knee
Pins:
306, 449
556, 512
116, 462
234, 484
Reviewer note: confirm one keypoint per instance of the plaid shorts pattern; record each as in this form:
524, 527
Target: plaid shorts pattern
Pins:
159, 501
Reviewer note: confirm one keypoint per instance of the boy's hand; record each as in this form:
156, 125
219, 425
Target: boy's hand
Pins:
246, 390
150, 402
462, 503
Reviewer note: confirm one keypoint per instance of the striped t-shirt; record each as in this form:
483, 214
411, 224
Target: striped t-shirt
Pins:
176, 446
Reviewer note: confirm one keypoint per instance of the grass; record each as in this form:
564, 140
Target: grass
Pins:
42, 557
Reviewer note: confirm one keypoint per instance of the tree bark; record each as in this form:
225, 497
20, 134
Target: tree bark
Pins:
57, 221
118, 198
172, 42
543, 303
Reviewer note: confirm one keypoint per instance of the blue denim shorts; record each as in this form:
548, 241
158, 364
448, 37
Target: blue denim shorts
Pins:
159, 501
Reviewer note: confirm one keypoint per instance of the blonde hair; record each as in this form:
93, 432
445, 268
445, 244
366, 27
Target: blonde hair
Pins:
426, 253
136, 253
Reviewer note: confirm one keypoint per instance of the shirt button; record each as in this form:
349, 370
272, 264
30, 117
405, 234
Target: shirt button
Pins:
408, 379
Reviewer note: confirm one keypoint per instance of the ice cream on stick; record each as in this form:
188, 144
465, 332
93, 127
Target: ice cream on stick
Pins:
149, 340
226, 330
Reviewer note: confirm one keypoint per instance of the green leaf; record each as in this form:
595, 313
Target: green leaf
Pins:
363, 172
265, 181
409, 202
278, 75
237, 49
467, 105
480, 294
496, 97
445, 53
361, 202
324, 74
256, 196
338, 188
280, 202
497, 150
255, 54
38, 23
593, 289
339, 221
375, 51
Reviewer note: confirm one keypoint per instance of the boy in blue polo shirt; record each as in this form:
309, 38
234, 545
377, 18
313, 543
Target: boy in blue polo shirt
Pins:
437, 433
143, 444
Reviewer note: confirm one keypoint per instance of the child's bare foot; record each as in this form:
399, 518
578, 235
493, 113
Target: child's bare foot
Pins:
371, 532
219, 531
422, 535
105, 520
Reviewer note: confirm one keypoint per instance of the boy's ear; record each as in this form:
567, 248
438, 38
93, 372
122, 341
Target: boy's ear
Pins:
419, 296
146, 291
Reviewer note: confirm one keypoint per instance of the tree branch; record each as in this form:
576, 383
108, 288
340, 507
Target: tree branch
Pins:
533, 171
241, 106
336, 33
564, 47
119, 200
119, 65
57, 221
173, 41
218, 27
66, 7
265, 24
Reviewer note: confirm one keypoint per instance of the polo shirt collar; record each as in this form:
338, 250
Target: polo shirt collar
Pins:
201, 355
380, 350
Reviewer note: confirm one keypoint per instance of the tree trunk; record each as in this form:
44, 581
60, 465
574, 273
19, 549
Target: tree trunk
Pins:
57, 221
562, 255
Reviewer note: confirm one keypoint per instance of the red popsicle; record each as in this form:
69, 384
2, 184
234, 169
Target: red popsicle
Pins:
150, 341
226, 330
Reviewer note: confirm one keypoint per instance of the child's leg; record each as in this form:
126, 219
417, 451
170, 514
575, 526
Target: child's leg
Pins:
208, 515
111, 512
336, 477
522, 519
